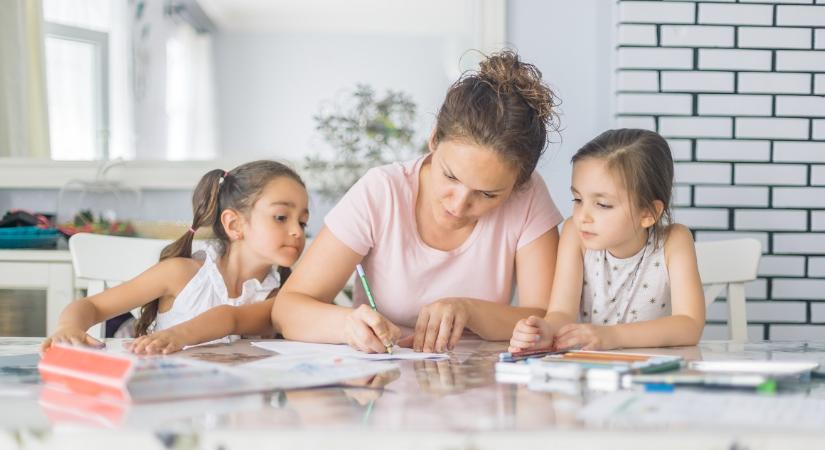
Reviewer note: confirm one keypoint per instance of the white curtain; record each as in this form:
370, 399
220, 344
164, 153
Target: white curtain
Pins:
190, 95
24, 121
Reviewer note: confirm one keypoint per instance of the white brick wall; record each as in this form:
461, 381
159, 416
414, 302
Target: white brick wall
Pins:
781, 220
774, 83
738, 89
770, 174
735, 105
735, 14
697, 36
695, 81
799, 197
732, 150
753, 196
736, 59
766, 37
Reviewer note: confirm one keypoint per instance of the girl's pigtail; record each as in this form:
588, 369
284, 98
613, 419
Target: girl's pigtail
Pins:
205, 212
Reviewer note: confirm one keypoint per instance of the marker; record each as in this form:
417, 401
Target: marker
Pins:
363, 277
518, 356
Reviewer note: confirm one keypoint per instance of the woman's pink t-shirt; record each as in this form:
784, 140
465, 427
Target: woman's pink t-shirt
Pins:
376, 218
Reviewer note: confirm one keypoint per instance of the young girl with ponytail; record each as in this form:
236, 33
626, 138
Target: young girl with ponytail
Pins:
258, 213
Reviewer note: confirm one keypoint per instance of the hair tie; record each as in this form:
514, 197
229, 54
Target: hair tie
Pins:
193, 230
223, 177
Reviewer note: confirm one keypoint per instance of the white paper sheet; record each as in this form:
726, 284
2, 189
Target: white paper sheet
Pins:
297, 372
284, 347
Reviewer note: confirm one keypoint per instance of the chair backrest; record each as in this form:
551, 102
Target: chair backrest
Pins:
727, 265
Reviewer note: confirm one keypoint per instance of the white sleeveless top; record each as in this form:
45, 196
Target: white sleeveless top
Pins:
207, 289
626, 290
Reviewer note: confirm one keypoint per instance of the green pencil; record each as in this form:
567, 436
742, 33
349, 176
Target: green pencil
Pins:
363, 277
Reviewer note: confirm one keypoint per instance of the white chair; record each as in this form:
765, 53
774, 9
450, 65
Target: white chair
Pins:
106, 261
728, 265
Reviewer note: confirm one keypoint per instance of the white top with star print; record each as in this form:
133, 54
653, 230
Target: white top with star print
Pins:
626, 290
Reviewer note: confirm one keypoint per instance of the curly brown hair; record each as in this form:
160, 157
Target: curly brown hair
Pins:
504, 106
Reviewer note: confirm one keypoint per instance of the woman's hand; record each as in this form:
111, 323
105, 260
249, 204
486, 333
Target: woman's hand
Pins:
73, 336
440, 325
531, 333
369, 331
160, 342
585, 336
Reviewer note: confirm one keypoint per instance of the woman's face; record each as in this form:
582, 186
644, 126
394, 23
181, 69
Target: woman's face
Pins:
466, 182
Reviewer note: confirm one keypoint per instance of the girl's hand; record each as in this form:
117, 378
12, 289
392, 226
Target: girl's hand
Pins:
159, 343
585, 336
440, 325
73, 336
532, 332
369, 331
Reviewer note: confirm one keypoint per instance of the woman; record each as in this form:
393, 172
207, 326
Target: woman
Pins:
442, 238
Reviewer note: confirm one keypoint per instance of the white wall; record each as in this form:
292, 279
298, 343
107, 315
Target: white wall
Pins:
570, 41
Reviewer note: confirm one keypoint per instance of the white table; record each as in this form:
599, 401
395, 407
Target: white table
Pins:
49, 270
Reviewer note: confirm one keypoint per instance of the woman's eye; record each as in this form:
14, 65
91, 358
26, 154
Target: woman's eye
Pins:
488, 195
450, 177
577, 200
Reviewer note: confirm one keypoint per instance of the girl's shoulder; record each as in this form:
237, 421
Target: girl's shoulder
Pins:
180, 267
677, 240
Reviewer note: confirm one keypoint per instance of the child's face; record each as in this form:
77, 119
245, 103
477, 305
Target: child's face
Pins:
602, 210
467, 181
276, 224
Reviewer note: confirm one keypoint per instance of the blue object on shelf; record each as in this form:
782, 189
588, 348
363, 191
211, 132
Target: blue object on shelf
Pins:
28, 237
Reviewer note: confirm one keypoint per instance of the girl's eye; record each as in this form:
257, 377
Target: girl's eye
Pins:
488, 195
280, 218
303, 225
577, 200
603, 206
450, 177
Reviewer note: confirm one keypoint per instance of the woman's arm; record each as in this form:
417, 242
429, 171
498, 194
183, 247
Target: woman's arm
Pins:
303, 309
154, 283
687, 321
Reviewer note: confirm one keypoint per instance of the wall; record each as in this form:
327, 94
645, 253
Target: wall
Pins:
738, 90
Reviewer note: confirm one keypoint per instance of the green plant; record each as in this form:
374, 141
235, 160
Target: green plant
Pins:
363, 131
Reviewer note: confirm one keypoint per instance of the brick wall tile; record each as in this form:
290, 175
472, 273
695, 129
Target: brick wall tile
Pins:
753, 196
788, 266
776, 128
720, 332
813, 16
680, 149
695, 127
819, 84
819, 38
799, 105
657, 104
756, 289
818, 131
655, 58
705, 218
732, 150
799, 243
760, 219
795, 151
796, 332
817, 312
817, 220
637, 80
804, 197
709, 236
735, 105
800, 60
798, 288
784, 311
696, 81
734, 59
805, 2
702, 173
774, 83
697, 36
818, 175
770, 174
816, 266
681, 196
637, 34
773, 37
658, 12
712, 13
